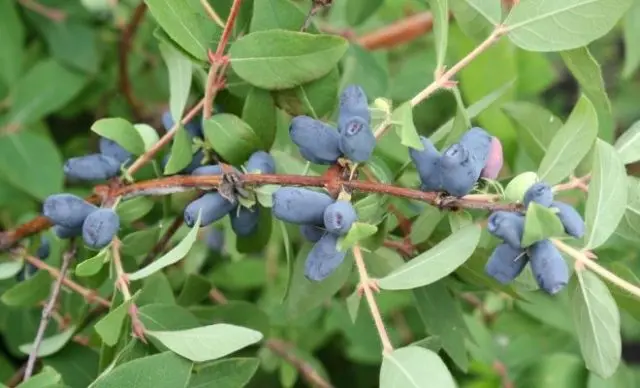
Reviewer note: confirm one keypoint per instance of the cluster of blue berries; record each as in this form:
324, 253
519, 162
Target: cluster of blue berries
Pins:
214, 205
320, 143
458, 168
509, 258
322, 221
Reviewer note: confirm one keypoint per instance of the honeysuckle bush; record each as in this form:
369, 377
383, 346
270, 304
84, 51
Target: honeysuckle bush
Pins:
409, 303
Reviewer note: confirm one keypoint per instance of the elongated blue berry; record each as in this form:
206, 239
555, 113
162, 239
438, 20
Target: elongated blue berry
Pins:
353, 102
63, 232
323, 258
244, 221
100, 227
300, 206
67, 210
214, 169
495, 160
44, 249
570, 218
427, 164
261, 161
507, 226
318, 142
215, 239
213, 207
505, 263
357, 140
92, 167
540, 193
478, 142
339, 216
548, 267
112, 149
460, 170
312, 233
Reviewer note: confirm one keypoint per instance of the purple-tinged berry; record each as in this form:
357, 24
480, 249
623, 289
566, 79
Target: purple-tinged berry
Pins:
92, 167
507, 226
540, 193
67, 210
548, 267
356, 139
318, 142
114, 150
478, 142
262, 162
312, 233
100, 227
63, 232
459, 170
570, 218
300, 206
339, 216
505, 263
213, 207
244, 221
427, 164
353, 102
323, 258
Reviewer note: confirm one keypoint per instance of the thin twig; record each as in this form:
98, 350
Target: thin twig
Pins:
123, 58
400, 32
574, 183
122, 283
48, 309
366, 287
53, 14
282, 349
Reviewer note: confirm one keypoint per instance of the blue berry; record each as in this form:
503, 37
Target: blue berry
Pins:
112, 149
478, 142
100, 227
244, 221
92, 167
460, 170
427, 163
357, 140
318, 142
214, 169
312, 233
63, 232
67, 210
540, 193
261, 161
507, 226
570, 218
339, 216
44, 249
213, 206
323, 258
215, 239
505, 263
353, 103
548, 267
300, 206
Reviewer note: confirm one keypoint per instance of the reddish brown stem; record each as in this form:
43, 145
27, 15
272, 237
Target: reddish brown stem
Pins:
123, 58
53, 14
399, 32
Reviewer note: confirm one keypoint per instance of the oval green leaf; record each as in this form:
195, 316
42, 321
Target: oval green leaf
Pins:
233, 139
414, 367
122, 132
160, 370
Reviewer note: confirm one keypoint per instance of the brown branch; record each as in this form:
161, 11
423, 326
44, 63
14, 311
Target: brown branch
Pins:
17, 376
283, 350
48, 309
399, 32
123, 58
53, 14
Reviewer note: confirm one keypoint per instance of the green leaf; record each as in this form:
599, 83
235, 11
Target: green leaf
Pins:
11, 268
587, 72
264, 194
77, 364
279, 59
239, 313
570, 144
459, 219
110, 326
358, 11
597, 322
435, 263
186, 24
51, 345
470, 20
628, 144
148, 135
369, 69
228, 373
442, 317
47, 378
425, 224
518, 186
233, 139
607, 199
122, 132
358, 232
159, 370
156, 289
277, 14
316, 99
195, 289
181, 153
12, 48
409, 367
631, 41
93, 265
140, 242
540, 223
537, 26
403, 116
440, 12
28, 292
489, 9
173, 256
30, 102
207, 342
259, 112
163, 317
180, 71
32, 163
134, 209
537, 127
625, 299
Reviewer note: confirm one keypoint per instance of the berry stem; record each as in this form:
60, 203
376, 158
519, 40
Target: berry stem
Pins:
365, 285
48, 309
